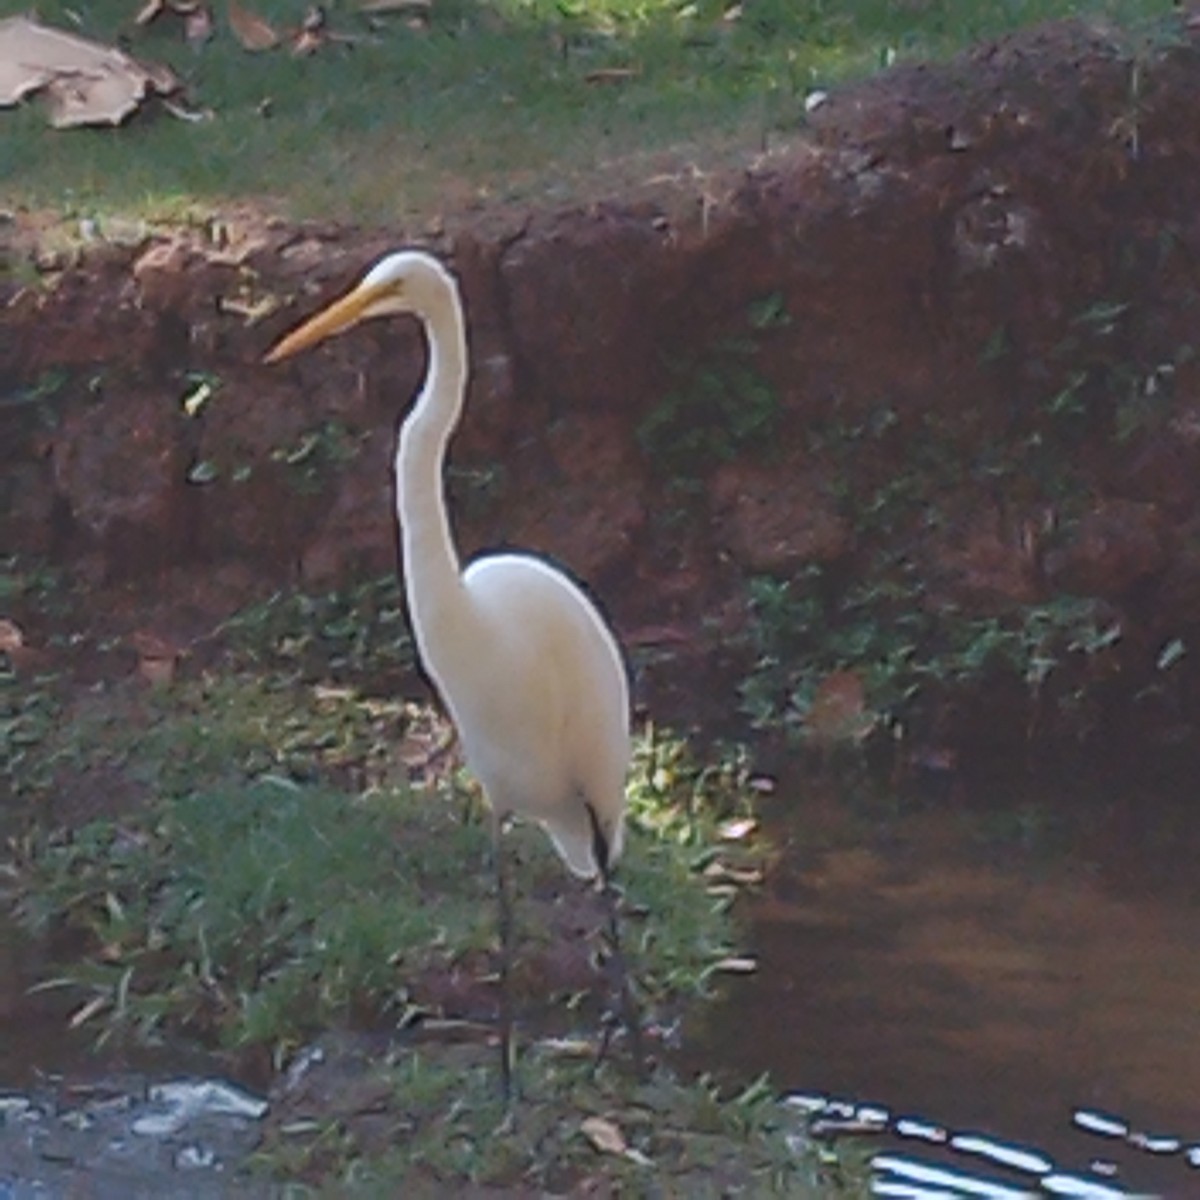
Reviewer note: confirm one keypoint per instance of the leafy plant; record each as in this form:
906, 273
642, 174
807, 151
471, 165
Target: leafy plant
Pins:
720, 406
907, 654
359, 632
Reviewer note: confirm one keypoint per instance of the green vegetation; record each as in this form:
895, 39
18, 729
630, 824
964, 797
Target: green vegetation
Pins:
495, 100
908, 655
272, 844
659, 1138
273, 870
719, 407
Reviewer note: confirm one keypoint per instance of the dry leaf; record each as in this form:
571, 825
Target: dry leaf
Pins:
411, 7
198, 25
150, 11
736, 829
158, 658
11, 637
605, 1135
251, 30
85, 1012
611, 75
83, 82
838, 712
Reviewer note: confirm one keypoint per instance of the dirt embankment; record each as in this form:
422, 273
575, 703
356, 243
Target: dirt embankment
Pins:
951, 322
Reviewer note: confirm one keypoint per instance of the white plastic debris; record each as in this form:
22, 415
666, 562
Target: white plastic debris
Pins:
195, 1158
183, 1101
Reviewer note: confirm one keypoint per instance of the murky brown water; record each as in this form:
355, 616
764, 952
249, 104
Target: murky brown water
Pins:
923, 961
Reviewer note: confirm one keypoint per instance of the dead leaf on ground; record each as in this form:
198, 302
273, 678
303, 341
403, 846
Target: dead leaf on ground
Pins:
158, 657
254, 33
11, 637
197, 17
611, 75
150, 11
83, 82
736, 828
199, 25
838, 712
379, 7
605, 1135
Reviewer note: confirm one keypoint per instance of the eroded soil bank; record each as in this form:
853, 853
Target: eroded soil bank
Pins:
932, 356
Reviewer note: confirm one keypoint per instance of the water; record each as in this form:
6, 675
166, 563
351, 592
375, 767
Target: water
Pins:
986, 967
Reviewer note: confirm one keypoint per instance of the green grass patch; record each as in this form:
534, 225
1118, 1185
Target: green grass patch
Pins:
271, 872
496, 100
445, 1128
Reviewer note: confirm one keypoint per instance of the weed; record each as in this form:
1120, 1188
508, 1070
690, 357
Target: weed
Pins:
318, 452
907, 655
720, 406
359, 633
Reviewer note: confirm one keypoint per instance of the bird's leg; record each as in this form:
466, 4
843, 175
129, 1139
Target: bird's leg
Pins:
623, 985
616, 965
504, 914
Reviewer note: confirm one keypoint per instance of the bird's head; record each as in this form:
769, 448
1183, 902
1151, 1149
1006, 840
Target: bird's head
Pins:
407, 281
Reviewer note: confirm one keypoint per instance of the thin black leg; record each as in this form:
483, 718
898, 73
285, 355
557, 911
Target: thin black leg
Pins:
504, 916
620, 982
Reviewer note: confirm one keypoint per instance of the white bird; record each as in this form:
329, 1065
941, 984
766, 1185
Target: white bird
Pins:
530, 673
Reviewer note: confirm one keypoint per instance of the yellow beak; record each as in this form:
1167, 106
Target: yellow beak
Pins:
338, 316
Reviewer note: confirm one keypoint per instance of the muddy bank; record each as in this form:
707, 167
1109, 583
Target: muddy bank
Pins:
940, 341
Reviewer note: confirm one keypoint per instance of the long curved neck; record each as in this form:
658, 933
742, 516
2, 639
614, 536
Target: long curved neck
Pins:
432, 575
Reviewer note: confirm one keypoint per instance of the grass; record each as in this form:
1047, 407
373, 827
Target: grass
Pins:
490, 103
240, 856
661, 1138
244, 854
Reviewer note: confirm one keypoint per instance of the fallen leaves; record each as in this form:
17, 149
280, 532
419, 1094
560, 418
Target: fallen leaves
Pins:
197, 17
607, 1137
85, 82
839, 713
252, 32
158, 657
82, 82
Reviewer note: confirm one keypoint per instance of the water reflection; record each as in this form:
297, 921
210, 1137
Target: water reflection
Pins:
915, 958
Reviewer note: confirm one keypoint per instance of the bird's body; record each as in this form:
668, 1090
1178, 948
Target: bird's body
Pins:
529, 671
540, 744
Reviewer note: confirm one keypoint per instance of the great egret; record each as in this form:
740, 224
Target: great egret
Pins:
529, 671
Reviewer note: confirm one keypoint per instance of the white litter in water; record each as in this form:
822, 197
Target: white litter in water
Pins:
911, 1127
1086, 1189
959, 1182
195, 1158
185, 1100
13, 1106
1192, 1154
1095, 1122
1016, 1157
